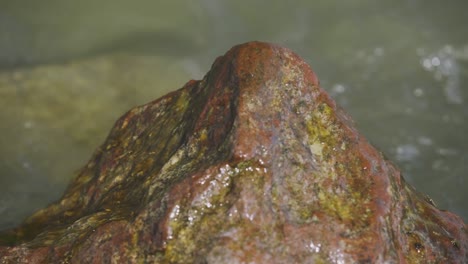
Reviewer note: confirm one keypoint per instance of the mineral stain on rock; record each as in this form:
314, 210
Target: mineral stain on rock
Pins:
253, 164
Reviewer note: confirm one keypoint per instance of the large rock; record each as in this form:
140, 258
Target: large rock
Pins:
253, 164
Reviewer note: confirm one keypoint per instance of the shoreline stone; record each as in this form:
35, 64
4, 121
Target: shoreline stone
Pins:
254, 163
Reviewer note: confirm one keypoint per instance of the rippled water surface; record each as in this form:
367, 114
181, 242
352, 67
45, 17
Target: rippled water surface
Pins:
400, 68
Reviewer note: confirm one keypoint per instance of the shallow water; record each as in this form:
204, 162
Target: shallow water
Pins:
399, 68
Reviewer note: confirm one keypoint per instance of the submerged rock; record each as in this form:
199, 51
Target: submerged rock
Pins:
253, 164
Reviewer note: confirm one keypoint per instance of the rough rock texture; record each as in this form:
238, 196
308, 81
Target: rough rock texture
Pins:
253, 164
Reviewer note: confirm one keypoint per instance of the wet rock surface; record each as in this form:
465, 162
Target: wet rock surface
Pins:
253, 164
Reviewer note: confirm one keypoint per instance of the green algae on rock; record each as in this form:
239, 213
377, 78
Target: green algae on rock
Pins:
253, 164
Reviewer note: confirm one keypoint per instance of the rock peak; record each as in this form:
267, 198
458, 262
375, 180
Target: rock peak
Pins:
254, 163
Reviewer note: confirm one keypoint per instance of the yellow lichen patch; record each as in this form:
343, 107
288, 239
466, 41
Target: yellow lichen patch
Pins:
320, 127
182, 102
334, 204
323, 138
189, 221
213, 196
300, 193
203, 135
346, 205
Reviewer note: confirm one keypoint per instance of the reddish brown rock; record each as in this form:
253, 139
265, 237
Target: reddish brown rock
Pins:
253, 164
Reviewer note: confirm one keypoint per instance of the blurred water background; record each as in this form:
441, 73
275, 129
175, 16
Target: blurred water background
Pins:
68, 69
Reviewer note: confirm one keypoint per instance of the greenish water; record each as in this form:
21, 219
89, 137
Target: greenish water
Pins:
400, 68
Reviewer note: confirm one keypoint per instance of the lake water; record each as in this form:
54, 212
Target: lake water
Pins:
400, 68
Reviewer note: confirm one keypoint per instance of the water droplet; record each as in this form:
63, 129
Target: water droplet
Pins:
435, 61
407, 152
425, 141
314, 247
418, 92
28, 124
